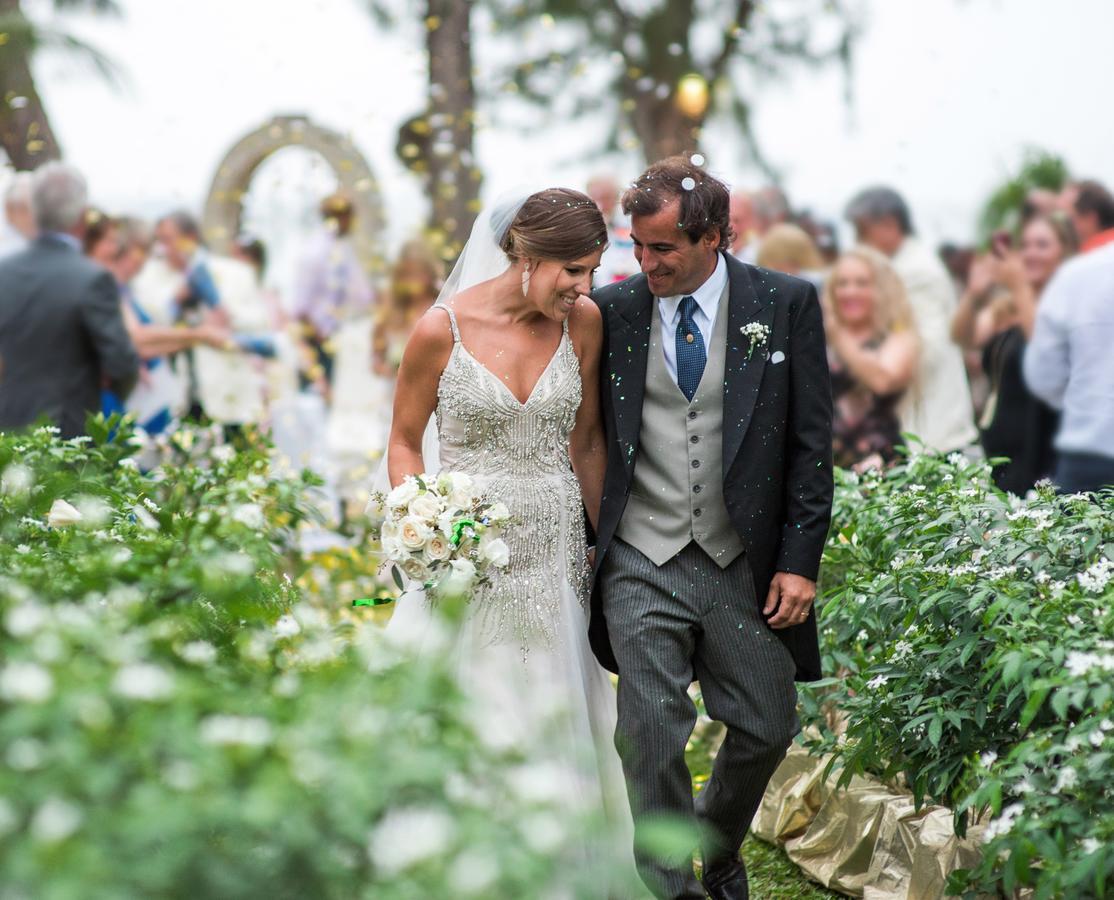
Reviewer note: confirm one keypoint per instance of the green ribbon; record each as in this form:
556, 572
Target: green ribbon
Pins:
458, 530
373, 601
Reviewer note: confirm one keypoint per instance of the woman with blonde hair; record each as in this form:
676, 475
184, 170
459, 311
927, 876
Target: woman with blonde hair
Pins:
790, 249
873, 352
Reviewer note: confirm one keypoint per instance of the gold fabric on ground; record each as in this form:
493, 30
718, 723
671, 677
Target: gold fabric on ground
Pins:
865, 840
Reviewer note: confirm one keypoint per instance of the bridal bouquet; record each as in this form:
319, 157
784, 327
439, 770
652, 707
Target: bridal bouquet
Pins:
438, 530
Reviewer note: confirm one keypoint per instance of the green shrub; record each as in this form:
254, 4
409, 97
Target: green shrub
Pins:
971, 640
177, 721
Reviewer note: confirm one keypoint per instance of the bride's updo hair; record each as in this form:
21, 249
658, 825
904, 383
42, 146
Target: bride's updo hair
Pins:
556, 223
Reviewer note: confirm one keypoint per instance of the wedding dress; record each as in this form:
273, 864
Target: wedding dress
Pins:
521, 648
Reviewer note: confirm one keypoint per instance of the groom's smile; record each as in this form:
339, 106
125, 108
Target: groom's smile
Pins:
673, 263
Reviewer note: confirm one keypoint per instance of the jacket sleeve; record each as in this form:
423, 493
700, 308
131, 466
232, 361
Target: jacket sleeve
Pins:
119, 361
808, 462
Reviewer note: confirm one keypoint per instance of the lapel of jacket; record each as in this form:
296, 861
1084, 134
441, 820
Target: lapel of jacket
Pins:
743, 370
626, 366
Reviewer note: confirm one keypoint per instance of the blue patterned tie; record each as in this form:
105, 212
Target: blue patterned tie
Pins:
690, 350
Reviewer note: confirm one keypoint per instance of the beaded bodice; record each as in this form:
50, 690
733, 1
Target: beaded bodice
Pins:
519, 453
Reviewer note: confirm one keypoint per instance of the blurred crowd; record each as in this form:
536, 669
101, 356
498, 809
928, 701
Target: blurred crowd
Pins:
1000, 350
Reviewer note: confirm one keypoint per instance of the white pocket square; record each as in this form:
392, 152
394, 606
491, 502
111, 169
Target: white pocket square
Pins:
776, 357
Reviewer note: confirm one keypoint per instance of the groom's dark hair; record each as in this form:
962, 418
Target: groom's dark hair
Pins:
705, 200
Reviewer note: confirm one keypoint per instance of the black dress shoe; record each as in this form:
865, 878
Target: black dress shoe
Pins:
728, 882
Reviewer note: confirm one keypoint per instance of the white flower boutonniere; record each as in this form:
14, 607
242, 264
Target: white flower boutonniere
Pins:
758, 334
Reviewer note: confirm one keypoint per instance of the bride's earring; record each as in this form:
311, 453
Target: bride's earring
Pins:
525, 279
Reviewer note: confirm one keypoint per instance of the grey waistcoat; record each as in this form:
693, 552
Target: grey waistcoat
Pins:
677, 488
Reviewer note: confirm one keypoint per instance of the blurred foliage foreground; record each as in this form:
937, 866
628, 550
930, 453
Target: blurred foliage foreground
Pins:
178, 720
970, 640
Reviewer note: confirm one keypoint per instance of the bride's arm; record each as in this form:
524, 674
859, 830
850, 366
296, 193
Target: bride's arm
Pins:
588, 444
423, 361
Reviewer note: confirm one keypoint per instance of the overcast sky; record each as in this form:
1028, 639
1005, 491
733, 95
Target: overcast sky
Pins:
947, 93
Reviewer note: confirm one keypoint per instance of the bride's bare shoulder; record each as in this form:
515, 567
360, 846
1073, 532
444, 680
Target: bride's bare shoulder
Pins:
432, 334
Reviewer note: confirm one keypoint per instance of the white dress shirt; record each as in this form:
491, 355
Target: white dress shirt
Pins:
707, 306
1068, 362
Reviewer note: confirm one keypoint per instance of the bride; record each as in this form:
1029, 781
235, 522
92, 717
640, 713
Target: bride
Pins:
508, 361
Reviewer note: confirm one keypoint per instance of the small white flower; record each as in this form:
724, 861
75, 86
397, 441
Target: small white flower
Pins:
151, 505
55, 820
223, 453
496, 552
459, 581
62, 514
407, 837
1096, 738
497, 513
400, 497
287, 626
1005, 822
988, 758
1066, 780
1097, 577
1091, 845
877, 681
143, 681
244, 731
757, 334
25, 682
249, 514
22, 549
200, 653
957, 459
473, 872
24, 619
145, 519
17, 480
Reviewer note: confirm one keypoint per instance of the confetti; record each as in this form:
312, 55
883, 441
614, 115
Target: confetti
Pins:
688, 184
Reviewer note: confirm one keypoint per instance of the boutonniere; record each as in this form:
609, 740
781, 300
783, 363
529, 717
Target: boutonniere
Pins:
758, 334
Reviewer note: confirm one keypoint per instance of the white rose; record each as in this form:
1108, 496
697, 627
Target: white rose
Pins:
425, 507
496, 552
459, 581
414, 568
438, 548
413, 533
62, 514
461, 491
401, 496
497, 512
392, 546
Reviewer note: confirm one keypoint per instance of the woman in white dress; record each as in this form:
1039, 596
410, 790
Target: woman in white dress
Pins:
508, 362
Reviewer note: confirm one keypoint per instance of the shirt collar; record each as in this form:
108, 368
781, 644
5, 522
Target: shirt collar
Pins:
61, 237
706, 296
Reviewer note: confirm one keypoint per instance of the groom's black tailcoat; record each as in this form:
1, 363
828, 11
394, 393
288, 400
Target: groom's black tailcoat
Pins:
777, 432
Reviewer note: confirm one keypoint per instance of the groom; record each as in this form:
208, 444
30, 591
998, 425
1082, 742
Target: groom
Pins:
717, 498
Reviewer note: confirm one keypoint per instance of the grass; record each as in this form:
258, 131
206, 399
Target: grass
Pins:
771, 873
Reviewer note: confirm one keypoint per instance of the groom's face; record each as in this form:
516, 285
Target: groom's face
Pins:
672, 263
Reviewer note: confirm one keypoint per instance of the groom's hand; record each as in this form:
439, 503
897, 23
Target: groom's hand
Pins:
791, 596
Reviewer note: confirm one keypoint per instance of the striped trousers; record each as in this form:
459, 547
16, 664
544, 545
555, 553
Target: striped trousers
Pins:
689, 619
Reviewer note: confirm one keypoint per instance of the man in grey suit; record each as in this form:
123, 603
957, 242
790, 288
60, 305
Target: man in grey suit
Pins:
717, 498
62, 335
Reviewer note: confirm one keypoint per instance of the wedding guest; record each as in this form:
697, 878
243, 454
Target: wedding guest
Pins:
1091, 207
1069, 365
940, 413
743, 246
415, 282
197, 301
152, 401
788, 248
873, 354
99, 242
331, 284
996, 316
19, 220
61, 331
771, 207
618, 260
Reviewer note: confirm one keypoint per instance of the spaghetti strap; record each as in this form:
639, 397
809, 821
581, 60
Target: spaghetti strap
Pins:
452, 320
565, 326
